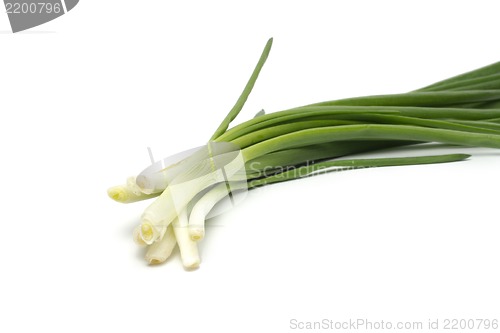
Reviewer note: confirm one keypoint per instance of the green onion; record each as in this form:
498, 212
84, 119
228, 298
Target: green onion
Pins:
305, 141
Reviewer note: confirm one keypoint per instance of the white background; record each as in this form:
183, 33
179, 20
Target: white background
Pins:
83, 96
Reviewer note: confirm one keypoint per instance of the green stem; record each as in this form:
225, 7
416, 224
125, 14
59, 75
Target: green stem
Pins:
246, 92
459, 79
367, 132
326, 166
430, 99
315, 153
463, 84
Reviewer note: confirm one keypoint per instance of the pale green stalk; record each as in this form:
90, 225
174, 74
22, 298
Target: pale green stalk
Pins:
161, 250
246, 92
204, 205
188, 247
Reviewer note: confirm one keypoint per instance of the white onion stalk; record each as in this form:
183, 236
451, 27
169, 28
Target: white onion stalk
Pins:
155, 178
159, 251
206, 203
188, 247
128, 192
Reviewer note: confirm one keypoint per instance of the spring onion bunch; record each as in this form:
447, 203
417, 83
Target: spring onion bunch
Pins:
311, 139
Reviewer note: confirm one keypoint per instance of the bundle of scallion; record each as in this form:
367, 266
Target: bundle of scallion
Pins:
290, 144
